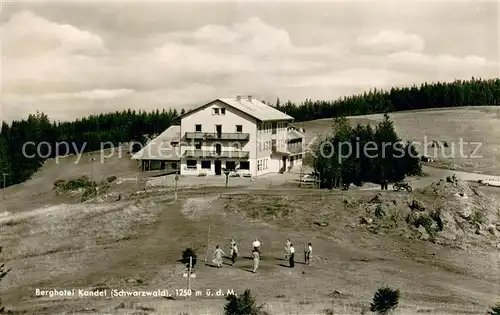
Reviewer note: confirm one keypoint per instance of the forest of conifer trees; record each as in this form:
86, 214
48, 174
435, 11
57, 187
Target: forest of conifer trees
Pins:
131, 125
474, 92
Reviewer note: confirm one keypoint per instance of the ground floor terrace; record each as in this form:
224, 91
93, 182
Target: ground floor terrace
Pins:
209, 166
159, 165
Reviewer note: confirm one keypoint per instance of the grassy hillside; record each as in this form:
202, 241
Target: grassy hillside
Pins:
136, 244
37, 191
472, 124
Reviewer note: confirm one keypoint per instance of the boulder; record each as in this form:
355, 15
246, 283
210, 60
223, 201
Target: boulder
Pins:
416, 205
365, 220
376, 199
423, 233
492, 229
465, 212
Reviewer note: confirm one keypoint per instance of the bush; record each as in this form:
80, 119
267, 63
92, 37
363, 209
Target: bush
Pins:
74, 184
188, 252
385, 299
111, 179
3, 273
242, 305
495, 310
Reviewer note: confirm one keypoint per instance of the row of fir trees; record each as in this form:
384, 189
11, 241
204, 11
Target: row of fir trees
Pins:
364, 154
87, 134
131, 125
474, 92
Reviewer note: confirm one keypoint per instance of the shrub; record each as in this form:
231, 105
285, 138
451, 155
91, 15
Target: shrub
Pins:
74, 184
111, 179
423, 220
495, 310
188, 252
385, 300
3, 273
242, 305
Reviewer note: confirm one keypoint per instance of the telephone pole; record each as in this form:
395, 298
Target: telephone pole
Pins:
91, 160
176, 178
189, 274
4, 184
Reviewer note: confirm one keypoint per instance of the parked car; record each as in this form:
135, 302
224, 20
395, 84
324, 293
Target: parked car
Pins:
491, 182
309, 178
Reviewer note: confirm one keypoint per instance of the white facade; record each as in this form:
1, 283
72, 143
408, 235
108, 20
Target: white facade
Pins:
234, 133
231, 121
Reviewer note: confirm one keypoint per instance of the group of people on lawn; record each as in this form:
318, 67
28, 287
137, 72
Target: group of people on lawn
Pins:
257, 254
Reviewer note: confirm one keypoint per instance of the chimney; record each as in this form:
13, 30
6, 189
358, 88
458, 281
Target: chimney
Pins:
249, 98
238, 98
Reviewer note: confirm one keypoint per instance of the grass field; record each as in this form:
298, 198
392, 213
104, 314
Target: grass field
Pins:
107, 245
476, 126
53, 242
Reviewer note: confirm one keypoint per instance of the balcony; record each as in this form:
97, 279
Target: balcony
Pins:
215, 154
296, 149
217, 136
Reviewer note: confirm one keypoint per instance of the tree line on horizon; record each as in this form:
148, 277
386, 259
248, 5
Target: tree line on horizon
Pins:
130, 125
473, 92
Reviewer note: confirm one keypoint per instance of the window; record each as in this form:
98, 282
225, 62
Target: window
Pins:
218, 149
205, 164
244, 165
239, 128
259, 165
265, 164
197, 146
215, 111
230, 165
174, 165
222, 111
191, 164
197, 128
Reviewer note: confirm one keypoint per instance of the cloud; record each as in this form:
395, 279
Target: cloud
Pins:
66, 71
355, 77
390, 41
27, 34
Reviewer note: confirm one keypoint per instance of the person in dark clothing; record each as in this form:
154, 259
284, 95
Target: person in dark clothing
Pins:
292, 256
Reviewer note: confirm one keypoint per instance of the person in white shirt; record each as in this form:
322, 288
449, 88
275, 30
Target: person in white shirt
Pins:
256, 258
309, 254
234, 251
218, 256
291, 258
287, 249
256, 245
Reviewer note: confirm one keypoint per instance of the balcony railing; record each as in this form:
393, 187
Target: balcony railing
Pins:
217, 136
296, 149
215, 154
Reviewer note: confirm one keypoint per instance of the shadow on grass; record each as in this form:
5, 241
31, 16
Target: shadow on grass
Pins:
283, 265
211, 265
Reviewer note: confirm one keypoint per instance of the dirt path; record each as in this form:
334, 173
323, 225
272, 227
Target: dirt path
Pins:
435, 174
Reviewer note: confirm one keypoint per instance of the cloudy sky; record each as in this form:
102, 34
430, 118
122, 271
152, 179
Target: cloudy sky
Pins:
73, 59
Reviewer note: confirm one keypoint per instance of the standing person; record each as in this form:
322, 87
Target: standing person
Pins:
256, 258
256, 244
232, 242
309, 253
292, 256
218, 254
287, 249
234, 251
